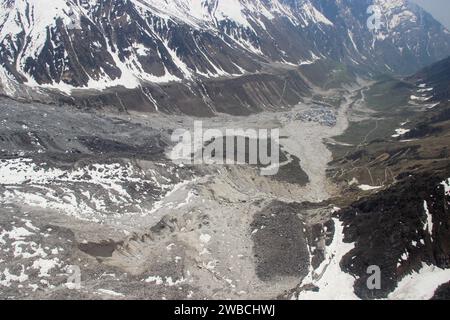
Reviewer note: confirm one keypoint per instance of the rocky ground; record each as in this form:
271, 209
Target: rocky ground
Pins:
100, 194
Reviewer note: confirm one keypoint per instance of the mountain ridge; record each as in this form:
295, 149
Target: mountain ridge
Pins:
98, 45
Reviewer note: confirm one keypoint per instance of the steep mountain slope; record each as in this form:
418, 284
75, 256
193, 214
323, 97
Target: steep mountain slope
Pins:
400, 177
144, 44
403, 230
437, 78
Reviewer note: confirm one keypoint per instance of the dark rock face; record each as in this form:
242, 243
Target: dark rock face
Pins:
280, 242
436, 76
391, 230
143, 45
103, 249
443, 292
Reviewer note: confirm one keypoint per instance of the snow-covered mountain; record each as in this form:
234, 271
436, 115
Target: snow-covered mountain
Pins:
134, 43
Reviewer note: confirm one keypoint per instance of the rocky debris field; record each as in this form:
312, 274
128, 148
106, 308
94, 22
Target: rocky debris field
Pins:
93, 206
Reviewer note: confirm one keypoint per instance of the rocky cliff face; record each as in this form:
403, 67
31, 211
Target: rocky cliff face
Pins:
401, 220
398, 230
193, 45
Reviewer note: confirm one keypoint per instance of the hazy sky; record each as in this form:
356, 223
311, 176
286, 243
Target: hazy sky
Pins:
440, 9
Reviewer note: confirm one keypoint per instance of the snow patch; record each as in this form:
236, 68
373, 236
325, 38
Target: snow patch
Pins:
429, 224
205, 238
420, 285
110, 293
366, 187
400, 132
45, 265
446, 184
332, 282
